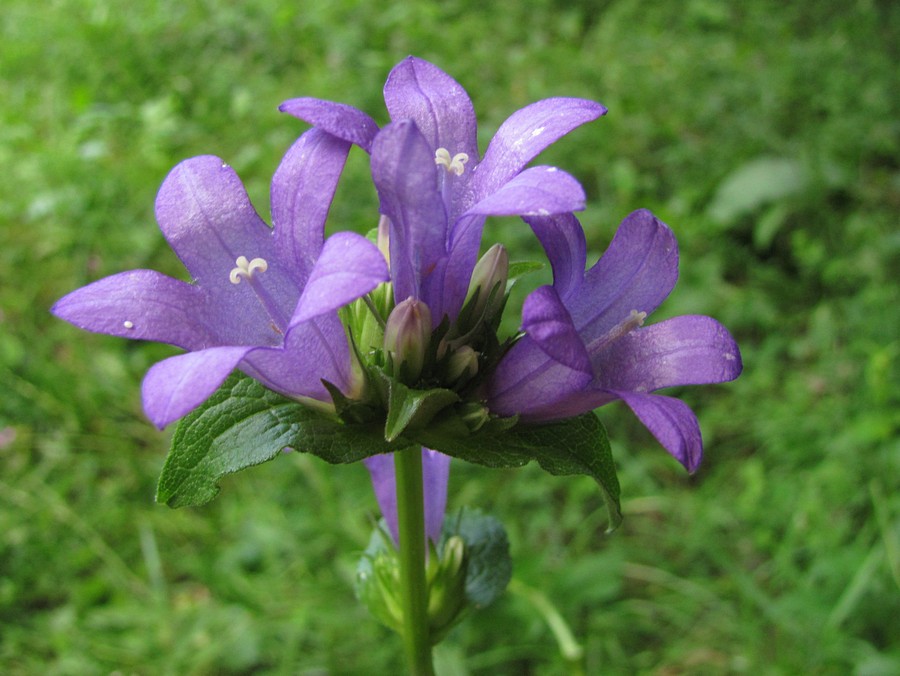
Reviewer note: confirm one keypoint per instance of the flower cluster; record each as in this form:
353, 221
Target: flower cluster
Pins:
402, 327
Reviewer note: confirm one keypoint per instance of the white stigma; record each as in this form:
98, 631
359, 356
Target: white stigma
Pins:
454, 165
245, 269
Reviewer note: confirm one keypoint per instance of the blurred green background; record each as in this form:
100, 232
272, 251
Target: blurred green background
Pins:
767, 134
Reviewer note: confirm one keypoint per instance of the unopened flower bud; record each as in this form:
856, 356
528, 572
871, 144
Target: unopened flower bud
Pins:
462, 365
447, 588
406, 338
488, 283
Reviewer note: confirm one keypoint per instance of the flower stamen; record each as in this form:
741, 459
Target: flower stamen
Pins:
246, 269
453, 165
634, 320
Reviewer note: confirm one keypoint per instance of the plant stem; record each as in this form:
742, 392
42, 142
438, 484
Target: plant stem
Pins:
413, 585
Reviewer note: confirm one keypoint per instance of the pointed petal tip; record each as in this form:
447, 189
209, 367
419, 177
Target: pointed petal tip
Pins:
176, 386
338, 119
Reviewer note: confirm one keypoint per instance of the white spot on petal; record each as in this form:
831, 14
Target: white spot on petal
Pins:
537, 132
128, 324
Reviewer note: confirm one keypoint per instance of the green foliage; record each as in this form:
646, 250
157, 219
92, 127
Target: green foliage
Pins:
488, 564
243, 424
778, 556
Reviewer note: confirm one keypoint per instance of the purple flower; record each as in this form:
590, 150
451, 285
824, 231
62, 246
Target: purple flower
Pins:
585, 345
435, 476
433, 185
436, 191
262, 300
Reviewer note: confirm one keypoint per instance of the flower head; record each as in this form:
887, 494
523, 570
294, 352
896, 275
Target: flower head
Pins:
586, 345
261, 300
435, 187
435, 191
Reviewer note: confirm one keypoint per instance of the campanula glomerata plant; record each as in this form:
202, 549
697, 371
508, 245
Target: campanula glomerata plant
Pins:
386, 349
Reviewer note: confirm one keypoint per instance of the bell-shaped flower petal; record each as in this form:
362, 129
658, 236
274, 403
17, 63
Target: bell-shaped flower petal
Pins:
686, 350
547, 322
420, 91
562, 237
530, 383
637, 272
603, 311
672, 422
404, 174
313, 351
206, 215
176, 386
338, 119
525, 134
143, 305
538, 191
247, 284
302, 190
349, 267
435, 474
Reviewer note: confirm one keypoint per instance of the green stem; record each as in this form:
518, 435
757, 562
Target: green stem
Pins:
413, 585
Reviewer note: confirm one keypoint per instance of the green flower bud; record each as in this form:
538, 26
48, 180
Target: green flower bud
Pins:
488, 284
447, 601
378, 587
462, 365
406, 338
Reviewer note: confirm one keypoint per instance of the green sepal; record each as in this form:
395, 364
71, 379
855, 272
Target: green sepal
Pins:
408, 408
574, 446
243, 424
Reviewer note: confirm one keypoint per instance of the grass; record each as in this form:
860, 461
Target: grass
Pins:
765, 134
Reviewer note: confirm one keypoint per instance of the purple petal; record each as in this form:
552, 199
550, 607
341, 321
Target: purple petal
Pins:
435, 475
176, 386
435, 478
338, 119
525, 134
144, 305
688, 350
302, 190
538, 191
530, 383
204, 212
384, 483
547, 322
440, 107
350, 266
313, 351
406, 178
673, 424
563, 239
637, 272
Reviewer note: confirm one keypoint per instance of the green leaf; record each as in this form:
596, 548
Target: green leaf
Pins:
521, 268
574, 446
243, 424
413, 408
488, 563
